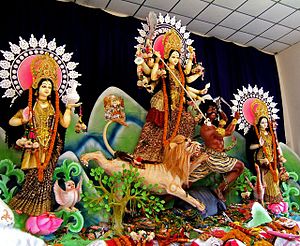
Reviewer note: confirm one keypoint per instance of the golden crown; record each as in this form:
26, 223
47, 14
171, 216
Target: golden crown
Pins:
260, 109
44, 67
171, 41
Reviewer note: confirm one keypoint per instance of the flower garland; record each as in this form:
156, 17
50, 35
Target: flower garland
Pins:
243, 237
42, 166
122, 241
166, 108
248, 232
237, 234
273, 164
277, 226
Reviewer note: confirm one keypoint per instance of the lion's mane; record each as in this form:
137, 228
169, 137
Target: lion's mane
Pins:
177, 158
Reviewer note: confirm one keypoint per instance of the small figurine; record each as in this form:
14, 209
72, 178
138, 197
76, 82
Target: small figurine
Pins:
69, 197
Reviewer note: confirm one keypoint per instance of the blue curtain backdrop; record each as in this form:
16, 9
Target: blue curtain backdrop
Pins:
103, 45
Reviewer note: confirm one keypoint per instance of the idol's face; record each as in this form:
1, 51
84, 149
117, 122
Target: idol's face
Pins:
263, 124
174, 58
45, 89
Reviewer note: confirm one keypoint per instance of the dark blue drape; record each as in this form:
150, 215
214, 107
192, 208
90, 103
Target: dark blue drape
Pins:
103, 45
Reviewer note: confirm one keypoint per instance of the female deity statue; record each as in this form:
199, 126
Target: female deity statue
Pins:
167, 116
265, 152
44, 119
258, 113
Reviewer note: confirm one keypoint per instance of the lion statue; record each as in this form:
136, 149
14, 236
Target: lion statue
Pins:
181, 157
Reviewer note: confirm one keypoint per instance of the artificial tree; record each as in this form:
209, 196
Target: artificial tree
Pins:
119, 192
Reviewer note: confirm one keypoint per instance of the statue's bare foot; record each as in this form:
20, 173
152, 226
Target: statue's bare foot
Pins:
219, 194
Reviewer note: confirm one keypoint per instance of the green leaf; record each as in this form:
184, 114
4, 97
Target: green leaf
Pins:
294, 191
284, 185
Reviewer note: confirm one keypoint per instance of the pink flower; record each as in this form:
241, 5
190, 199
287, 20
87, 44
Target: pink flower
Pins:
277, 208
232, 242
31, 135
44, 224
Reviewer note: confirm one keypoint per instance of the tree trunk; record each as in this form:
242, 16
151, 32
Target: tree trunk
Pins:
117, 219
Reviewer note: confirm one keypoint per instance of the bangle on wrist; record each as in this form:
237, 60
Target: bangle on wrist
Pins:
234, 121
222, 122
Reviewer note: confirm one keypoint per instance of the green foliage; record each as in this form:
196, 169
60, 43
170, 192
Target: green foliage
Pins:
211, 180
7, 171
238, 186
74, 221
241, 184
288, 191
120, 190
71, 239
8, 152
194, 235
68, 169
20, 220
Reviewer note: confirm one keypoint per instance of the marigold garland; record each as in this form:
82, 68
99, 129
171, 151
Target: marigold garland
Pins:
248, 232
166, 108
236, 234
122, 241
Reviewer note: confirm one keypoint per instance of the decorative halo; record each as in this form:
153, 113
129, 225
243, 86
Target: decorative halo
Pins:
164, 24
243, 101
15, 71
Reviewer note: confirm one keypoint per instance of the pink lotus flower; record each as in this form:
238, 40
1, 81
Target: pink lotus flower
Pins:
44, 224
277, 208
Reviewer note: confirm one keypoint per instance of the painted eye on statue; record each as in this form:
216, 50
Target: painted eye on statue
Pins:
46, 84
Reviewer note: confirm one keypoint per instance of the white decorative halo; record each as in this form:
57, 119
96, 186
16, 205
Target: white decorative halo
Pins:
245, 95
18, 53
164, 24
